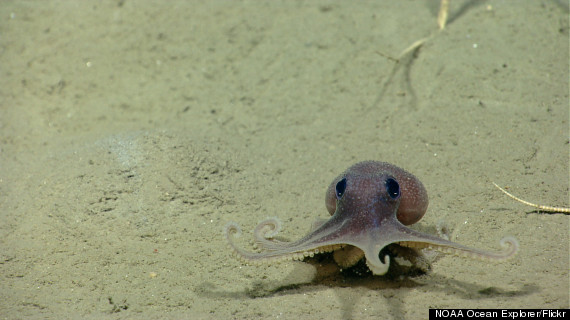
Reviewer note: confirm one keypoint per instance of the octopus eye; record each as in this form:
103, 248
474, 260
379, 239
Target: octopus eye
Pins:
340, 187
392, 187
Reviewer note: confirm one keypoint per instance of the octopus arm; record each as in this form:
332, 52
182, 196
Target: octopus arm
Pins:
510, 247
280, 251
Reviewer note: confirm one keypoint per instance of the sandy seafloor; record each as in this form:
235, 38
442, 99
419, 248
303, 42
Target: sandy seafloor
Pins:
132, 132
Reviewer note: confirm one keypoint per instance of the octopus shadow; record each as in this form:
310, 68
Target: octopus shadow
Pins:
394, 285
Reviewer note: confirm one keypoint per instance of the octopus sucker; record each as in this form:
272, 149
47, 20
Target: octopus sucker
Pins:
347, 256
371, 206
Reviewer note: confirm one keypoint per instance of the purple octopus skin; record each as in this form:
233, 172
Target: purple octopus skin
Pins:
371, 204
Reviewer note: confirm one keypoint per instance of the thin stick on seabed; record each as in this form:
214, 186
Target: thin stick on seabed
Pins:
540, 207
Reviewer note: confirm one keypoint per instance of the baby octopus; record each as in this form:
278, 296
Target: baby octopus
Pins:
371, 204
